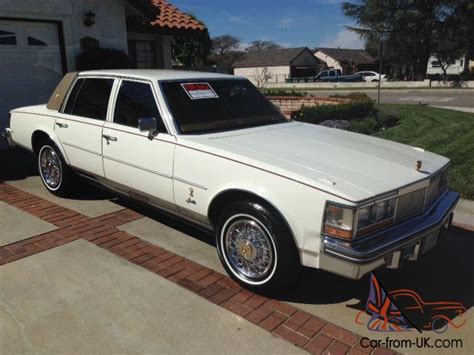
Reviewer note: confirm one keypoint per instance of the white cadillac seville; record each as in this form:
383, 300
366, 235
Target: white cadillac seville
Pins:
212, 149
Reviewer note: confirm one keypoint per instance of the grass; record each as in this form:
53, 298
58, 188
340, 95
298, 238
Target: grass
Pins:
446, 132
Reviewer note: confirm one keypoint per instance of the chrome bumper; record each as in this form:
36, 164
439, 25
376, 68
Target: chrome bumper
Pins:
8, 137
391, 246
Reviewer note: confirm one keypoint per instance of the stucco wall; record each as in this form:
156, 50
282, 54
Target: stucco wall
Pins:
330, 62
278, 74
110, 27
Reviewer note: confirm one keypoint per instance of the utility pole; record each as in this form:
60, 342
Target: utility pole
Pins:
380, 69
383, 36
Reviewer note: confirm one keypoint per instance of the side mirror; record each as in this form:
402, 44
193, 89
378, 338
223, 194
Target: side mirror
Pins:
147, 124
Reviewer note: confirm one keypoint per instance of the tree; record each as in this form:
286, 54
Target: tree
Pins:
262, 75
226, 49
414, 27
192, 49
262, 45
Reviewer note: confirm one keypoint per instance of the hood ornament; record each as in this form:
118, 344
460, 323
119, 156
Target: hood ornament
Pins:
419, 163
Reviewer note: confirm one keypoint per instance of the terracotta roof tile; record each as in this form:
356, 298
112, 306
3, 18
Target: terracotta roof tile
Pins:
172, 18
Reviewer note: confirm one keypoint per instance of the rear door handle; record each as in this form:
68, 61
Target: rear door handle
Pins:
61, 125
109, 138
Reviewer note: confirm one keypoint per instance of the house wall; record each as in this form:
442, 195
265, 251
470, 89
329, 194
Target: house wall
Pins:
305, 58
331, 63
109, 29
453, 69
278, 74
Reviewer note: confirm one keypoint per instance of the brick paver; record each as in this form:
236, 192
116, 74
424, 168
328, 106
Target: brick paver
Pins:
281, 319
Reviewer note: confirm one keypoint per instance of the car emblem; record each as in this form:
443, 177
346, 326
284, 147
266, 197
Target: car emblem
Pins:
419, 163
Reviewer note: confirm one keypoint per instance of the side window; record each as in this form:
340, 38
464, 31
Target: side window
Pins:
135, 100
90, 98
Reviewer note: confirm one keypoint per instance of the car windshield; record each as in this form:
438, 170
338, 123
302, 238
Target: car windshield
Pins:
205, 106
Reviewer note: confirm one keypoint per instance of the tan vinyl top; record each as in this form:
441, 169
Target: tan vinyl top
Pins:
56, 100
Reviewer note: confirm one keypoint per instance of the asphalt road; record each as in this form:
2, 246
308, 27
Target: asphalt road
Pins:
432, 97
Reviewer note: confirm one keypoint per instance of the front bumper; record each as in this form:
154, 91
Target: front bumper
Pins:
389, 247
7, 135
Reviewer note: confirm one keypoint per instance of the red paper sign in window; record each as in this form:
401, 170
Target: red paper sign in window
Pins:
198, 91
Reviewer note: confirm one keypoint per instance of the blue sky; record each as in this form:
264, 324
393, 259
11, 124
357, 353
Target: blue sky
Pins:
290, 23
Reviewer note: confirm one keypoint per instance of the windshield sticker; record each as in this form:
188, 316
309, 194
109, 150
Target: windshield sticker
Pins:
198, 91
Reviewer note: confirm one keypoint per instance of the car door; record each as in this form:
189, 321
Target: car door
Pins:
139, 164
79, 127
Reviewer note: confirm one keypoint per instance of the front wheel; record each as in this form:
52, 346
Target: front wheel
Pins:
256, 247
55, 174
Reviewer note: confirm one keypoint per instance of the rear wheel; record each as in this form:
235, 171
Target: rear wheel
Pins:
56, 176
256, 247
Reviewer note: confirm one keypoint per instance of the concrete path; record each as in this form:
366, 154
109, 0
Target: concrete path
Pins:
454, 108
16, 225
90, 202
108, 305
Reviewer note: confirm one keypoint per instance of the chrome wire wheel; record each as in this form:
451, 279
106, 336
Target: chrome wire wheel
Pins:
248, 249
50, 167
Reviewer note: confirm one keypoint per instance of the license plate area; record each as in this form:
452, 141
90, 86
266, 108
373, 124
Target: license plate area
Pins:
429, 242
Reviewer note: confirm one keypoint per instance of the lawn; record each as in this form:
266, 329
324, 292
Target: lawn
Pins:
446, 132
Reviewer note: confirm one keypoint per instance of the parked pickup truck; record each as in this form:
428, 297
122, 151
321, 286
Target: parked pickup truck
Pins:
335, 75
210, 148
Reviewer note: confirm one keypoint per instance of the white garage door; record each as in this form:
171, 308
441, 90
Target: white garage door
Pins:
30, 64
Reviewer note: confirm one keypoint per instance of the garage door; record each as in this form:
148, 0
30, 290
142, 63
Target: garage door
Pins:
30, 65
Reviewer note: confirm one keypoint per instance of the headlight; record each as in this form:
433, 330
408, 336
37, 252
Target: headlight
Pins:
378, 215
339, 221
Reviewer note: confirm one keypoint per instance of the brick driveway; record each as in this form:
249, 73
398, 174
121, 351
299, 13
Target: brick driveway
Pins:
145, 242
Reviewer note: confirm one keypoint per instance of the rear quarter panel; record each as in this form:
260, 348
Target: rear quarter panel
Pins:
25, 121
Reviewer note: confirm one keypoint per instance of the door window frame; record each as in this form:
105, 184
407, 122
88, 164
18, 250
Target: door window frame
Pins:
113, 103
71, 87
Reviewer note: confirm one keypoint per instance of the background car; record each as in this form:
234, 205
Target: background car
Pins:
371, 76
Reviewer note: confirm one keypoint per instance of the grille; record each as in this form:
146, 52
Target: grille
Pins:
416, 202
410, 204
432, 191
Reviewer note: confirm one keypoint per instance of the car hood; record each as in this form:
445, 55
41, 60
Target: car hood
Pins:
350, 165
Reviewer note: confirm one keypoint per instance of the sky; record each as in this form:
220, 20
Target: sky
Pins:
290, 23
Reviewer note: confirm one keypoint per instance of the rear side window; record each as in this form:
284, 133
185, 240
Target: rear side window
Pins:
90, 98
135, 100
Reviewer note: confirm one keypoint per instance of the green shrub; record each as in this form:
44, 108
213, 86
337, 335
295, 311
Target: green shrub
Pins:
386, 119
353, 96
351, 111
366, 126
279, 92
102, 58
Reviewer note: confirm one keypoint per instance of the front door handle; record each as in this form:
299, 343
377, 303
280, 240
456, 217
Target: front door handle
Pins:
109, 138
61, 125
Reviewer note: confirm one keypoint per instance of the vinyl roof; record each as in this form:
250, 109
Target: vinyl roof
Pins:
158, 74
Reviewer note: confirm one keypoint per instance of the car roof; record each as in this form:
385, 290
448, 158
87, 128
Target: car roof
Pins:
158, 74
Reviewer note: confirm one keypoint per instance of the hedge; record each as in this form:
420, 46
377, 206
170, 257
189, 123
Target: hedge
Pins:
355, 110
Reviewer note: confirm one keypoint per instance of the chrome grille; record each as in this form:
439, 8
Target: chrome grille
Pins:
410, 204
432, 191
414, 203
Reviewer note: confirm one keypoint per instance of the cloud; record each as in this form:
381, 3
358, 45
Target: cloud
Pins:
343, 39
235, 19
286, 22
